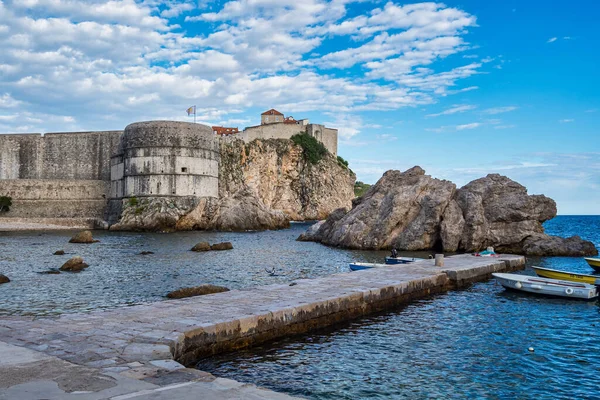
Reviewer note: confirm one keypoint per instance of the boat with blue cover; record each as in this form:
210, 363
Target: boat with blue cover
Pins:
401, 260
358, 266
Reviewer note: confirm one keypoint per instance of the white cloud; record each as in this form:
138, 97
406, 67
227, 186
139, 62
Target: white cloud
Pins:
499, 110
102, 61
566, 121
472, 125
453, 110
551, 40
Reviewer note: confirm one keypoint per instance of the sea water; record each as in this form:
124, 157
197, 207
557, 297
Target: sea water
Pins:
470, 343
118, 275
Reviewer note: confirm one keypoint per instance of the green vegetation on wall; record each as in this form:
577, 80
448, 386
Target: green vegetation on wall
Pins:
360, 188
5, 203
313, 150
342, 162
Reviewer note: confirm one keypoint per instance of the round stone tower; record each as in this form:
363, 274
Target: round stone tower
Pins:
165, 159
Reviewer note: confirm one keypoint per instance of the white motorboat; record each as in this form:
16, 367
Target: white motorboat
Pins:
545, 286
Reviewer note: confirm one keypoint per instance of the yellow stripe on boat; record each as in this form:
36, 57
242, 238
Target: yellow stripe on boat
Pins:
567, 276
593, 262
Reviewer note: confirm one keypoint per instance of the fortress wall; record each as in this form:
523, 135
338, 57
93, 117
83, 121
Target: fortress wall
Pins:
166, 158
79, 155
36, 198
73, 155
327, 136
270, 131
20, 156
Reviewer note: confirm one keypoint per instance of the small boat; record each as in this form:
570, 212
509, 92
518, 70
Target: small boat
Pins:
593, 262
548, 287
357, 266
567, 276
401, 260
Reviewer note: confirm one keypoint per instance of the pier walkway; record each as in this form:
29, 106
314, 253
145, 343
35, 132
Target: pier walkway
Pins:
141, 351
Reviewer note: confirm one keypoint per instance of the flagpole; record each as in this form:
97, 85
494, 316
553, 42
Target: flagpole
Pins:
194, 114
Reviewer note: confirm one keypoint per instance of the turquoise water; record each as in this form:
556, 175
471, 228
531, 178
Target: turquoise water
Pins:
464, 344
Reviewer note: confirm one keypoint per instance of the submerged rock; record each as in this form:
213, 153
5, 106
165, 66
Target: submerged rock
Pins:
83, 237
412, 211
51, 271
59, 253
196, 291
4, 279
202, 246
145, 253
222, 246
75, 264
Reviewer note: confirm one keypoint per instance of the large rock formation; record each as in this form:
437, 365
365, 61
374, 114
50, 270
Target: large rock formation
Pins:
262, 185
276, 171
412, 211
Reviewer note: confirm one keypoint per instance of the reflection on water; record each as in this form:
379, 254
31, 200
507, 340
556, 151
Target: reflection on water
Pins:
464, 344
119, 276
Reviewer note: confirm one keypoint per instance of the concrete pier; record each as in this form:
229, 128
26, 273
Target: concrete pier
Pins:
153, 343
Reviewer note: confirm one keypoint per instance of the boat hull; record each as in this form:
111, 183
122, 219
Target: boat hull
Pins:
547, 287
360, 266
400, 260
593, 262
567, 276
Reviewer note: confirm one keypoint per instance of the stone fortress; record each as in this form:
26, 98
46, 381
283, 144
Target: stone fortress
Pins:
81, 178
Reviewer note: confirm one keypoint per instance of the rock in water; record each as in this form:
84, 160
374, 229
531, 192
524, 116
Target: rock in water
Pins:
82, 237
411, 211
145, 253
403, 210
498, 212
222, 246
202, 246
59, 253
311, 232
4, 279
196, 291
75, 264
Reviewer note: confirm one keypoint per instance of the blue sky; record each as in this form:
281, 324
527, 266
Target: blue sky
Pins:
461, 88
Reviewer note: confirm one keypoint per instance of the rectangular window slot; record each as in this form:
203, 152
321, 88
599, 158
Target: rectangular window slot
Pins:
184, 169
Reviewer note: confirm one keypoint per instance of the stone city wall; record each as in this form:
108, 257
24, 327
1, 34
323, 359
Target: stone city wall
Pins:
70, 156
327, 136
36, 198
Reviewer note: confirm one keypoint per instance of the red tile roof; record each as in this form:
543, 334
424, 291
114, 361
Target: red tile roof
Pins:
272, 111
221, 130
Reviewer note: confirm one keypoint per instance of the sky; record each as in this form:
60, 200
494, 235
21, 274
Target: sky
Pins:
462, 88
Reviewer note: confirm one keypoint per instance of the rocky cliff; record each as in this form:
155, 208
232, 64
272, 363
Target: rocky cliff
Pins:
412, 211
262, 185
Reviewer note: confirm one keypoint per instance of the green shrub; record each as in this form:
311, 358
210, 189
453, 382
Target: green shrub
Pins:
342, 162
313, 150
133, 201
360, 188
5, 203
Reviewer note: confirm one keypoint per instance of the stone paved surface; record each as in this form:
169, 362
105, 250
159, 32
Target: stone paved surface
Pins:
138, 342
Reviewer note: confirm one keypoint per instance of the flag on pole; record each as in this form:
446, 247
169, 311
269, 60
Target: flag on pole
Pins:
191, 110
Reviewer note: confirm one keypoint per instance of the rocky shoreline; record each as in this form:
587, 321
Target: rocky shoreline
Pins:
413, 211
